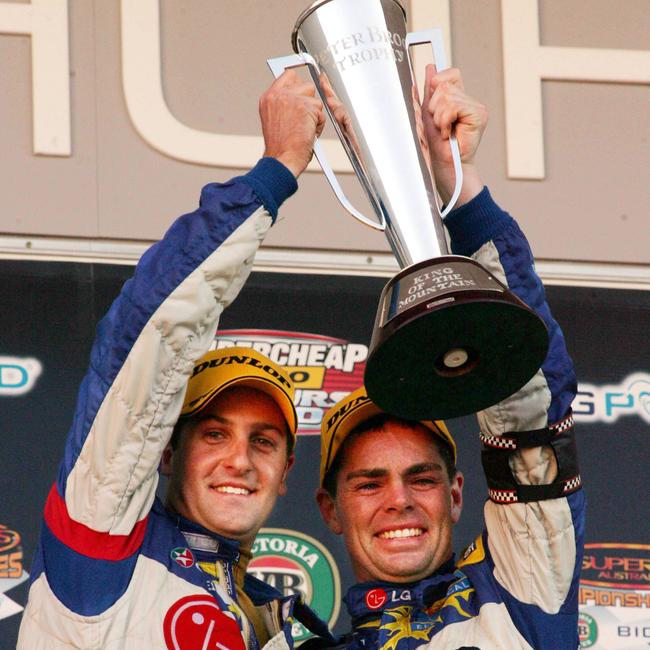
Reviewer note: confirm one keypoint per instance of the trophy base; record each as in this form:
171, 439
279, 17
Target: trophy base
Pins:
450, 340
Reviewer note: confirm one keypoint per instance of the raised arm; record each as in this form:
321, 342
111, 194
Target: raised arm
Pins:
163, 320
535, 515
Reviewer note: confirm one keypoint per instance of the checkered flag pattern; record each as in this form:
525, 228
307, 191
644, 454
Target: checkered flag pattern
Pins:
503, 496
510, 443
510, 496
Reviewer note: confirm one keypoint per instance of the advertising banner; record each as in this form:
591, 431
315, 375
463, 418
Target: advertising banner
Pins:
318, 327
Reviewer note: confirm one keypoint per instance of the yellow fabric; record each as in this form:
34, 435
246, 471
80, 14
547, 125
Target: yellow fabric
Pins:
220, 369
474, 553
350, 412
245, 603
253, 614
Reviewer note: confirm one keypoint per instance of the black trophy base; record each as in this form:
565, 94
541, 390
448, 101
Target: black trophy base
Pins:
450, 340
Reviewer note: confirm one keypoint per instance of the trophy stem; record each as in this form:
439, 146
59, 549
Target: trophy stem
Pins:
360, 63
411, 247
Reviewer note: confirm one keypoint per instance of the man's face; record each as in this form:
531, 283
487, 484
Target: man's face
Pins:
395, 504
230, 464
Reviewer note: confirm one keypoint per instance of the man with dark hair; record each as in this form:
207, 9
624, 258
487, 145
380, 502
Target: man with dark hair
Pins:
374, 419
391, 488
115, 568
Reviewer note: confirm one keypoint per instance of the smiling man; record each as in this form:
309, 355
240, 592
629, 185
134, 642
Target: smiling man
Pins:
228, 464
387, 460
391, 487
115, 568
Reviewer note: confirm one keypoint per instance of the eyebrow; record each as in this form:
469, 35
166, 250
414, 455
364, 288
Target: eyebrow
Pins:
366, 473
256, 426
420, 468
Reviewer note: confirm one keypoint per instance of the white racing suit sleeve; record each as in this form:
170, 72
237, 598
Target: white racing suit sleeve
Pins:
164, 319
534, 542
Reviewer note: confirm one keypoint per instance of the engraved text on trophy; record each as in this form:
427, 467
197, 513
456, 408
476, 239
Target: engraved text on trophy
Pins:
371, 44
433, 284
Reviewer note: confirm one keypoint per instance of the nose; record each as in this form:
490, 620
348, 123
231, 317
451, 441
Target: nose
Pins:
238, 457
398, 497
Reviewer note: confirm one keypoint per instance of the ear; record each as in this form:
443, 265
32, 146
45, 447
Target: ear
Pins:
167, 461
457, 496
327, 507
282, 490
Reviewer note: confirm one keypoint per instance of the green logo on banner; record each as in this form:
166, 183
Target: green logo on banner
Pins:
587, 630
295, 563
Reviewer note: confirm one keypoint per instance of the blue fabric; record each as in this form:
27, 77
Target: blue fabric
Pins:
481, 220
475, 223
89, 586
415, 594
578, 504
165, 533
84, 585
541, 630
188, 242
517, 261
272, 182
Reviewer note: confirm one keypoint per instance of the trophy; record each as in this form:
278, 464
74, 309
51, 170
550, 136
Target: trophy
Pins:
449, 338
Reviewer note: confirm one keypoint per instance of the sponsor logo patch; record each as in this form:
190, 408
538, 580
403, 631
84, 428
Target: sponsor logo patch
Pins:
297, 564
183, 557
375, 598
197, 622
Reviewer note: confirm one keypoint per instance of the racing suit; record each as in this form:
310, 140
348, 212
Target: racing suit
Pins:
115, 569
516, 586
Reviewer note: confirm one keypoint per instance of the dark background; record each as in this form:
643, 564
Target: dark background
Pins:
49, 311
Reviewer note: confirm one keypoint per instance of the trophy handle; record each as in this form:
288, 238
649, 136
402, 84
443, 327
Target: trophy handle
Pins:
434, 36
278, 65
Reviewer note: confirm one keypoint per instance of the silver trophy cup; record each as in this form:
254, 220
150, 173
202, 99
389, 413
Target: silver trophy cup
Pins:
449, 338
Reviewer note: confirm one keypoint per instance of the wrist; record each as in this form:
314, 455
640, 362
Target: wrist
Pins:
272, 182
291, 162
445, 178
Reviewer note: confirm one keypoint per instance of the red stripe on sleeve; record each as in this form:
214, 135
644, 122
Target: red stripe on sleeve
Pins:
84, 540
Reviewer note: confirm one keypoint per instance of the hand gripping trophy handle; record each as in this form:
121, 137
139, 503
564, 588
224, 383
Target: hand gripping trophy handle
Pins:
278, 65
432, 36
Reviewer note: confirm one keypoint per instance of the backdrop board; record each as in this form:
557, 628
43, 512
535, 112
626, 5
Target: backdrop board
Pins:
100, 97
319, 326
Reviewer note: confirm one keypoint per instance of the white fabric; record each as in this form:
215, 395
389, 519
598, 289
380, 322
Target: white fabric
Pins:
534, 550
532, 544
113, 483
485, 631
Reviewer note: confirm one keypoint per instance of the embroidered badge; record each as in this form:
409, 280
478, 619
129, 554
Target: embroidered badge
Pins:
183, 557
197, 622
375, 598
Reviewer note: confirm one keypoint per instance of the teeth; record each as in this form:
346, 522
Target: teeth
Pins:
401, 533
229, 489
